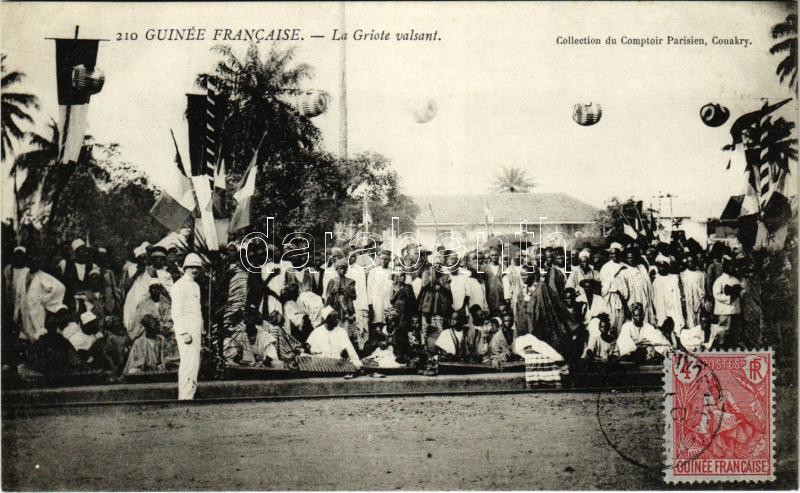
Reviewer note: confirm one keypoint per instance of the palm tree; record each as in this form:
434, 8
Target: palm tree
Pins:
252, 87
17, 108
513, 180
35, 162
788, 66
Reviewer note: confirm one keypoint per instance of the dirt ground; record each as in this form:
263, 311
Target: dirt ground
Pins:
528, 441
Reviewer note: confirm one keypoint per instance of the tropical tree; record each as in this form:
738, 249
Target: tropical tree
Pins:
513, 180
17, 108
300, 185
253, 88
28, 169
611, 220
786, 31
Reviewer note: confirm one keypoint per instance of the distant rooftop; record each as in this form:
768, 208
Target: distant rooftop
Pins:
503, 207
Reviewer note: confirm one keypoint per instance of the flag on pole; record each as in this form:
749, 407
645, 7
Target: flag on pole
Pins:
173, 208
220, 188
366, 215
242, 216
203, 115
630, 231
77, 80
487, 213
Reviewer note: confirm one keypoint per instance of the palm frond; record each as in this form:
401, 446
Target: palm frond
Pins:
20, 99
11, 78
785, 28
785, 45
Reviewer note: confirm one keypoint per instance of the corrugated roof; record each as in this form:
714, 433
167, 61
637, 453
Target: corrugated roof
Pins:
504, 208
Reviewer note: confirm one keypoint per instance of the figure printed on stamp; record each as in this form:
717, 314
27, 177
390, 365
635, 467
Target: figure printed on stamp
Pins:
721, 414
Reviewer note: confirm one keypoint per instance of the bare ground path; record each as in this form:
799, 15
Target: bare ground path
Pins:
526, 441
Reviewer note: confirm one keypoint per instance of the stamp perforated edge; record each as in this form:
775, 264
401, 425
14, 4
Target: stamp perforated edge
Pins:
669, 477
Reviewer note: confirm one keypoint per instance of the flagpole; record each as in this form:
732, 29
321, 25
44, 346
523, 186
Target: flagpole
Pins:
435, 224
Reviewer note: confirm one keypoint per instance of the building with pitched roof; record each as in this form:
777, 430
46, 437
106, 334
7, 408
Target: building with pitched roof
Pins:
546, 217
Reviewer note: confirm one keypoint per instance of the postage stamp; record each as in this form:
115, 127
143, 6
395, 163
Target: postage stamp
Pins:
719, 416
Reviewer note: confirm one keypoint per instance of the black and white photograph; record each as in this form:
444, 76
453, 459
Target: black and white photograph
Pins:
346, 246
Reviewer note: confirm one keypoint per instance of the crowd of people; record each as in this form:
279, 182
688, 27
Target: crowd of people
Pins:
361, 308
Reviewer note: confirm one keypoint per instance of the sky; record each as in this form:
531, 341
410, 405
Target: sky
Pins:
505, 90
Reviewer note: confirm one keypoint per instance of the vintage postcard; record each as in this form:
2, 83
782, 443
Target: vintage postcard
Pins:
399, 246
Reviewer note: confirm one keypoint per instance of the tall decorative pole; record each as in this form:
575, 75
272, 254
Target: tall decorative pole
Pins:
343, 89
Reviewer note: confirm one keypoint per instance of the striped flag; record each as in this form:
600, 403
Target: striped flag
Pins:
629, 231
172, 209
220, 189
242, 216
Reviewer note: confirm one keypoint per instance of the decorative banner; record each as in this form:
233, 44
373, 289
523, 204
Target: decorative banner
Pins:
587, 114
77, 79
196, 119
714, 115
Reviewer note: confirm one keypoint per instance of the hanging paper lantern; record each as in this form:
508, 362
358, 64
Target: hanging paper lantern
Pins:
587, 114
714, 114
311, 103
87, 82
425, 111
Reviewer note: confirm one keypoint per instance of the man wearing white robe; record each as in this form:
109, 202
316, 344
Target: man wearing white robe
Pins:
330, 339
274, 273
640, 288
706, 335
16, 278
638, 332
667, 295
727, 291
614, 286
187, 318
139, 286
379, 288
45, 293
583, 270
694, 289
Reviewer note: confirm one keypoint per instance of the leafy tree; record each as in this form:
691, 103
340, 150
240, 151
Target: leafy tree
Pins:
787, 68
29, 169
611, 220
513, 180
304, 188
252, 88
88, 198
17, 107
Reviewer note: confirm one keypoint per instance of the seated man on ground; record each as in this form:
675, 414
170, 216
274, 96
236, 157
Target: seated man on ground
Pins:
331, 339
287, 346
639, 341
602, 344
543, 364
147, 352
461, 342
251, 343
383, 345
501, 345
83, 341
705, 336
